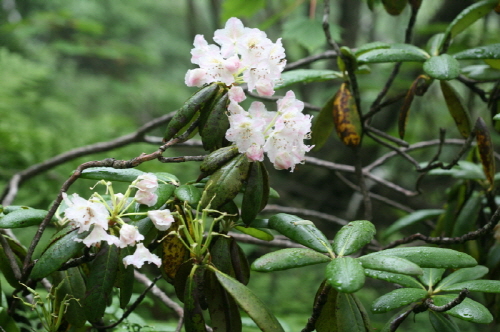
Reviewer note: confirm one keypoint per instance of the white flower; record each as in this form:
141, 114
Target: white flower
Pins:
146, 197
140, 256
146, 184
244, 55
84, 213
162, 219
280, 134
97, 235
129, 235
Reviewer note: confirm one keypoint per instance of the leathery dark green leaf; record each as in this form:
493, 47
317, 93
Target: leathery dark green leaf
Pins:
254, 193
465, 274
468, 310
442, 323
70, 284
431, 276
327, 320
485, 286
442, 67
102, 275
345, 274
398, 298
323, 125
431, 257
390, 264
486, 151
125, 278
258, 233
288, 258
395, 278
217, 159
193, 314
300, 230
58, 253
214, 130
189, 109
353, 237
223, 310
250, 303
226, 182
23, 218
188, 193
349, 316
111, 174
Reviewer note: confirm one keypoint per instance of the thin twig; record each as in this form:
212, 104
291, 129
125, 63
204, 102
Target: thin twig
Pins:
156, 291
472, 86
278, 241
310, 59
388, 137
304, 212
397, 66
130, 309
377, 197
401, 152
473, 235
320, 302
452, 304
10, 191
10, 257
367, 203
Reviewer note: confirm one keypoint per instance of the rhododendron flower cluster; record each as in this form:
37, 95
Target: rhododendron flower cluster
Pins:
104, 220
247, 55
280, 134
244, 55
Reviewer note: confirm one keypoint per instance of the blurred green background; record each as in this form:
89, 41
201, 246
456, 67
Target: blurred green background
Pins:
76, 72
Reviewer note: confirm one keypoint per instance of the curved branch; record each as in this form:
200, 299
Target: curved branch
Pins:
10, 191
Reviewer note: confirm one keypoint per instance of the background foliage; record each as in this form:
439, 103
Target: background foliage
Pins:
76, 72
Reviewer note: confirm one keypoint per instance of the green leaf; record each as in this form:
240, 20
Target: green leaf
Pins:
345, 274
188, 193
327, 320
393, 55
226, 182
468, 310
485, 286
431, 257
323, 124
223, 310
250, 303
100, 282
111, 174
442, 67
390, 264
125, 278
349, 316
257, 233
288, 259
255, 192
484, 52
370, 47
398, 298
300, 230
7, 322
23, 218
431, 276
394, 278
457, 108
468, 214
353, 236
58, 253
468, 16
71, 283
213, 130
193, 314
465, 170
307, 76
167, 178
218, 158
411, 219
469, 273
442, 323
481, 72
